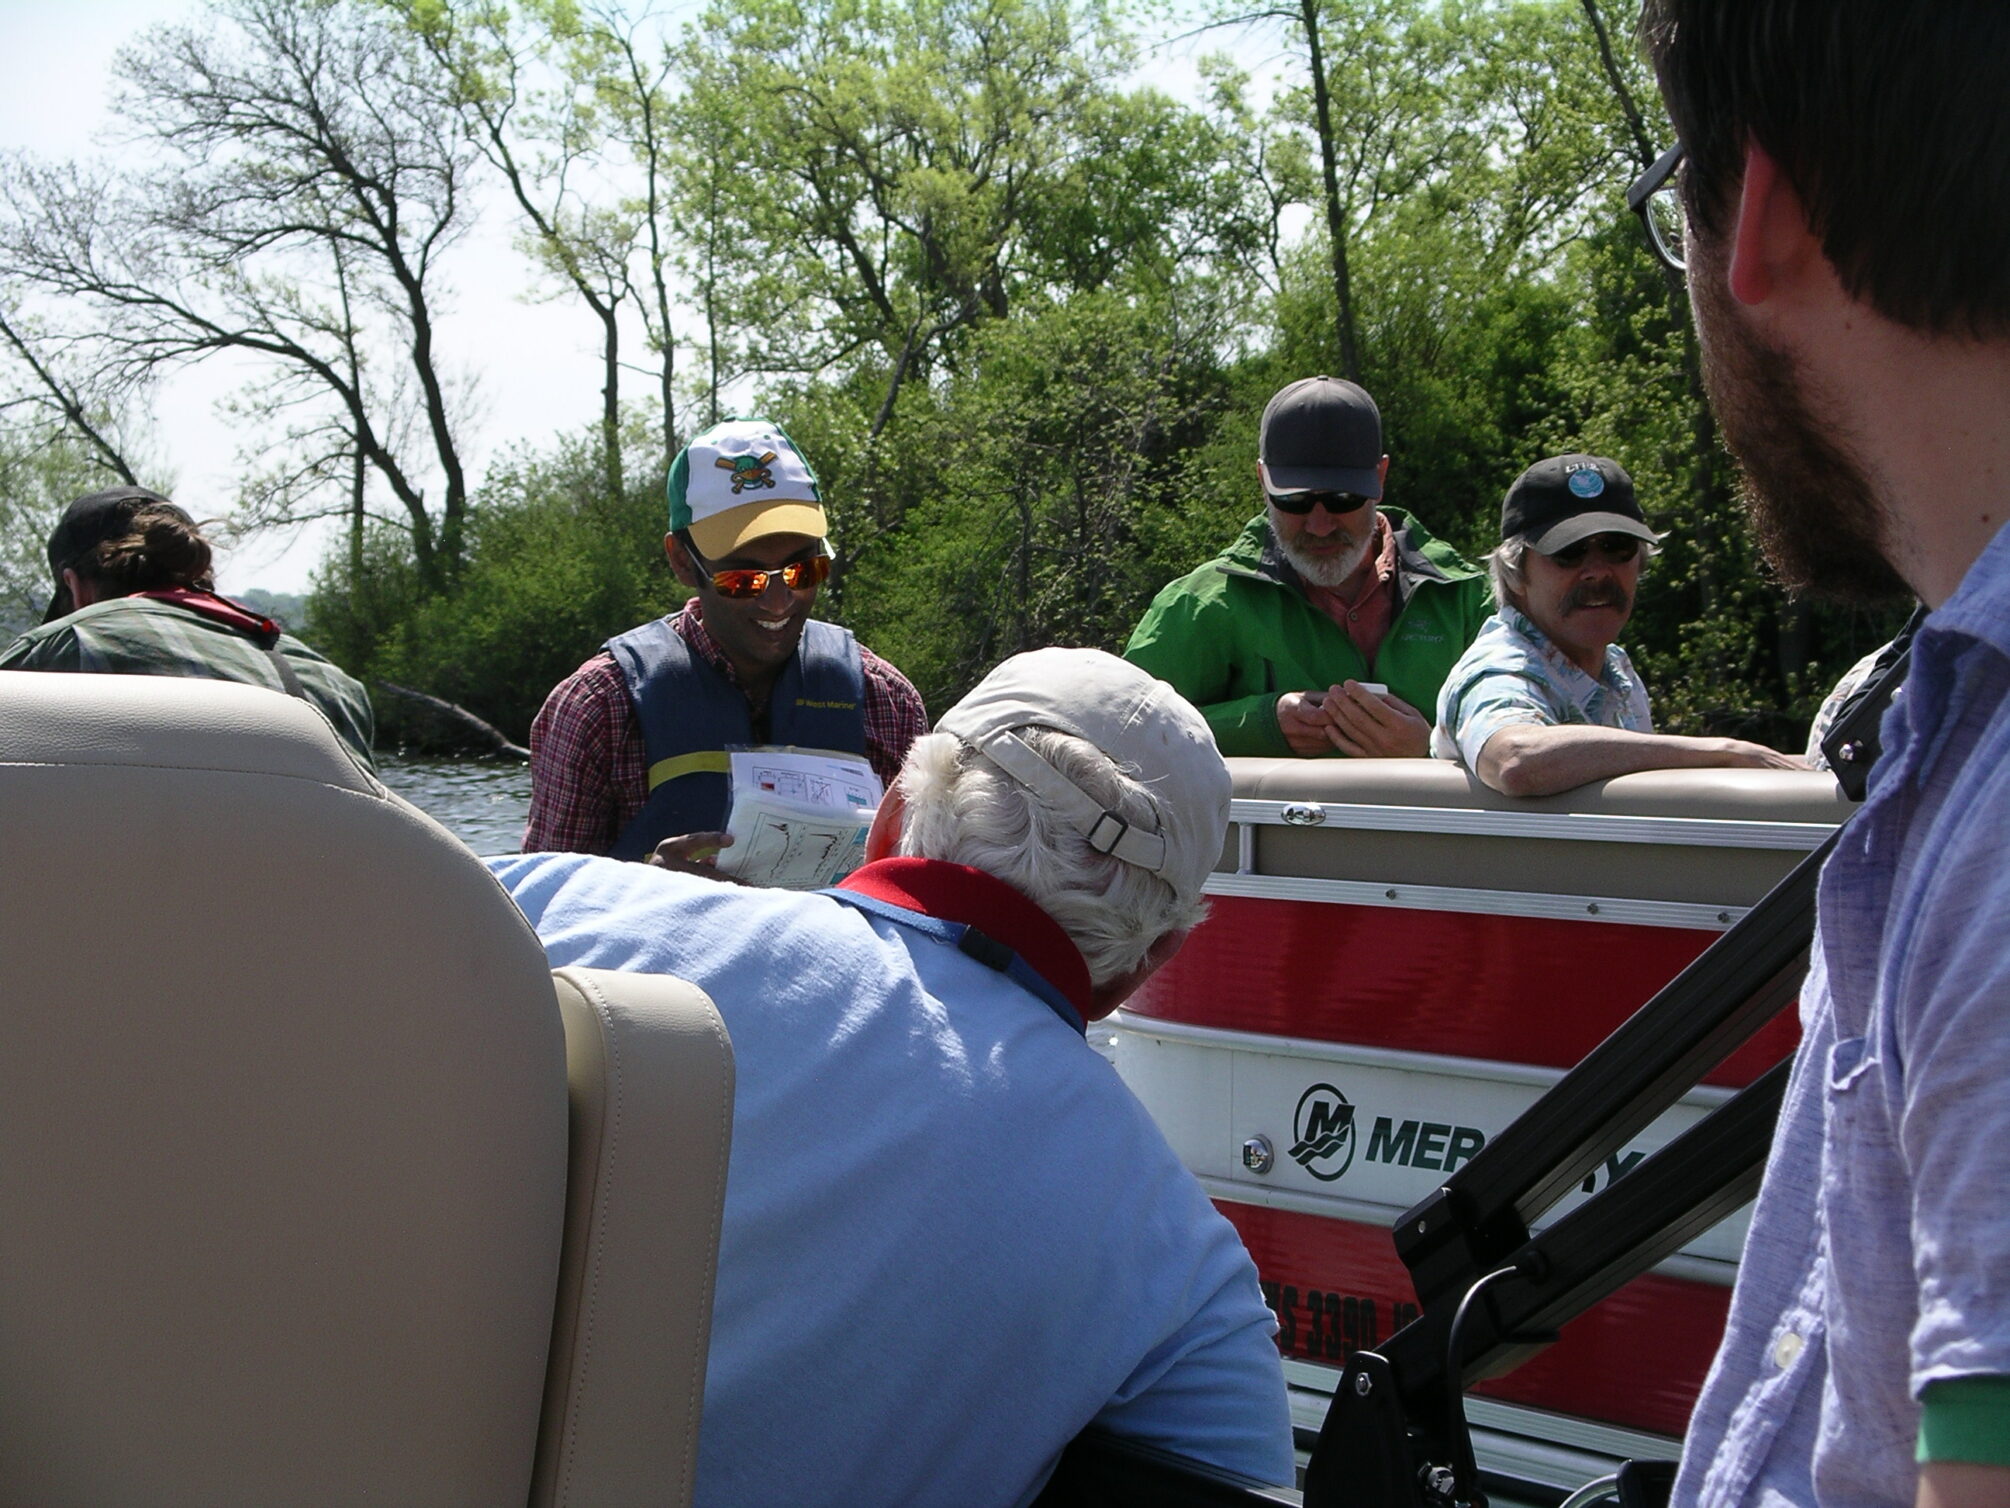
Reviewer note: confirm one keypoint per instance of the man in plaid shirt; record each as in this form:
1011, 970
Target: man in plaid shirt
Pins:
628, 752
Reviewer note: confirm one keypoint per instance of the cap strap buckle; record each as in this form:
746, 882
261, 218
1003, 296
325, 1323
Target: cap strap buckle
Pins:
1093, 837
1086, 815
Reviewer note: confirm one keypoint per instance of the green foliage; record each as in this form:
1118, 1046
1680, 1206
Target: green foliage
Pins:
1040, 479
1023, 316
355, 606
553, 569
878, 160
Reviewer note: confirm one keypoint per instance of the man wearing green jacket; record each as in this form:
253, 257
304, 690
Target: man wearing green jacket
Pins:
1331, 622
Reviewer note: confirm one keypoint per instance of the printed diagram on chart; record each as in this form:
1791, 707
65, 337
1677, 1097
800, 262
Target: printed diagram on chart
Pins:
799, 854
799, 816
814, 787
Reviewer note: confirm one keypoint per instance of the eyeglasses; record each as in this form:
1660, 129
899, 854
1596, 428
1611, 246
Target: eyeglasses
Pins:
1656, 197
1298, 503
797, 576
1617, 548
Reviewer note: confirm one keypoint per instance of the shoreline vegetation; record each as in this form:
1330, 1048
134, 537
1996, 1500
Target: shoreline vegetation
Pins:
1019, 303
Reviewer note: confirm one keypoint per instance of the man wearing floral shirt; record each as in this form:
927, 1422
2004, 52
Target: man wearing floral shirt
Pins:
1545, 699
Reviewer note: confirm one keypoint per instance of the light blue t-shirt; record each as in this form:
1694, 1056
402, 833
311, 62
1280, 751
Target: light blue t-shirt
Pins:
952, 1237
1879, 1254
1511, 674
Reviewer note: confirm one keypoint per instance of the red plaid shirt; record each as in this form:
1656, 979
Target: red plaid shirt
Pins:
589, 776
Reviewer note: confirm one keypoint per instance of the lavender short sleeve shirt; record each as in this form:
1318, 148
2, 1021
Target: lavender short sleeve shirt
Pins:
1879, 1254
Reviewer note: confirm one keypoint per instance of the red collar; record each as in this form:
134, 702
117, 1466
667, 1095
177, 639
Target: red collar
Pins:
220, 609
958, 893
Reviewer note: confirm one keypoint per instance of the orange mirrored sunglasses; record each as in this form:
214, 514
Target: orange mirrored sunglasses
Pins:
797, 576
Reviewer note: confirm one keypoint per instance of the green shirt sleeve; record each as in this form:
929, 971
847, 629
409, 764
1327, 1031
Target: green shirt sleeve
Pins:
1966, 1419
1181, 639
1247, 727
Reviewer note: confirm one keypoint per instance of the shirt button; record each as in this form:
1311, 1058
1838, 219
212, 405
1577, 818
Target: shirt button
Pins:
1353, 617
1787, 1350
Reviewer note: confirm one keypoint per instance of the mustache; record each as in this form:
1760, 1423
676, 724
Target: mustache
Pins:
1598, 594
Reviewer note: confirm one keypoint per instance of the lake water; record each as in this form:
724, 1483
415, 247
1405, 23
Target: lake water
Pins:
480, 801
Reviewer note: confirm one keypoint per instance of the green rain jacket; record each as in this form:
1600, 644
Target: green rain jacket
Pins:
1239, 632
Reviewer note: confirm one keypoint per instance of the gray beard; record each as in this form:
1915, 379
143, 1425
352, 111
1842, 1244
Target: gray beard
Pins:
1330, 572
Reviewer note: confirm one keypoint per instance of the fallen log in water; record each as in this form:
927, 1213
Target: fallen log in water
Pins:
439, 726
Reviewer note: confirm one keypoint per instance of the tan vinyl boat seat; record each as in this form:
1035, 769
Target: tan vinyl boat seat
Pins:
290, 1209
1708, 836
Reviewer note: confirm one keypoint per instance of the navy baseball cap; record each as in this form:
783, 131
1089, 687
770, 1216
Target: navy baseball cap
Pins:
1557, 502
1321, 434
88, 523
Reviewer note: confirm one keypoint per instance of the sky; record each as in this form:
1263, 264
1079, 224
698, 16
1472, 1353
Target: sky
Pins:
534, 363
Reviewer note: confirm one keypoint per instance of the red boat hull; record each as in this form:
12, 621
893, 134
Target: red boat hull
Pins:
1507, 989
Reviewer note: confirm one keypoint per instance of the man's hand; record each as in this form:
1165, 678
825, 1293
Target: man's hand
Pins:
1301, 717
693, 853
1371, 725
1740, 754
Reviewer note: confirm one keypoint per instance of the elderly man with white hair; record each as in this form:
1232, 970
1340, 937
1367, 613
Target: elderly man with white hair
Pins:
952, 1238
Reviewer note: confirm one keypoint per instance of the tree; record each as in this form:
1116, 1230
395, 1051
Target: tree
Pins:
555, 567
1329, 167
64, 401
1375, 100
879, 160
1020, 312
296, 193
540, 140
1038, 474
881, 182
632, 93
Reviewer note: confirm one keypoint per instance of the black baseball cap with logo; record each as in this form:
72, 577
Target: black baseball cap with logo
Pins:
1321, 434
88, 523
1557, 502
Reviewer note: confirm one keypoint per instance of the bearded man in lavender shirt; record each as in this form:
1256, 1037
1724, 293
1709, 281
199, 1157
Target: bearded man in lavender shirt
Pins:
1840, 201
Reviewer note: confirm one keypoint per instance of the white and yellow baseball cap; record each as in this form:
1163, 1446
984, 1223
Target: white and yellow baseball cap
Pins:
740, 480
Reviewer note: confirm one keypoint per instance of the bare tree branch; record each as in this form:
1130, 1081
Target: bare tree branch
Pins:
299, 193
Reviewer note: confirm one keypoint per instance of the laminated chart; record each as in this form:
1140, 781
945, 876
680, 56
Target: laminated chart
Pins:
799, 816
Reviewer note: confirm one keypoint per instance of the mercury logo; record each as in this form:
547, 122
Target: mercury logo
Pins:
1324, 1127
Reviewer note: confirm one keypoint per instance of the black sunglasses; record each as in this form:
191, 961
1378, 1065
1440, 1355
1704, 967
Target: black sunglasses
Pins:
1617, 548
1656, 197
1299, 503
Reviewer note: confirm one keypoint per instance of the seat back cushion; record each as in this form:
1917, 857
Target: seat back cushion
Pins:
282, 1118
651, 1073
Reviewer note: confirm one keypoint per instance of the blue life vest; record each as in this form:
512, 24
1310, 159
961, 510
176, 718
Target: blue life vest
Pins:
690, 713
